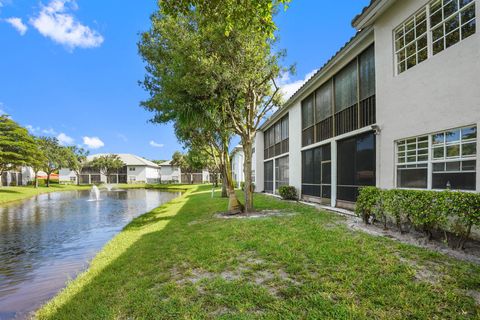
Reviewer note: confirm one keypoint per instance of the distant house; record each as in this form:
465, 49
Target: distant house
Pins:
136, 170
173, 174
20, 177
170, 172
238, 159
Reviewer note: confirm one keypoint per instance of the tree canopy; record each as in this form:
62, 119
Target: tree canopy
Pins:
17, 146
107, 164
56, 156
214, 58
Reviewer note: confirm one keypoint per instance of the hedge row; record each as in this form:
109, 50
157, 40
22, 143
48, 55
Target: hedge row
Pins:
428, 211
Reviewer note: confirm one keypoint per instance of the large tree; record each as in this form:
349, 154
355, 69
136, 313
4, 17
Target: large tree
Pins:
107, 164
182, 92
235, 13
224, 50
56, 155
17, 146
77, 160
38, 162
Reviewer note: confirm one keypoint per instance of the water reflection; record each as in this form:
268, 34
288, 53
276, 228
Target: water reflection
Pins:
48, 239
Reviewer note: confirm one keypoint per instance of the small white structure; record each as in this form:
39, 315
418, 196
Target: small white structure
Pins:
238, 159
20, 177
136, 170
169, 172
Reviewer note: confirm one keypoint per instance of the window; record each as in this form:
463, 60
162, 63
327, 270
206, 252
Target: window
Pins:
446, 22
367, 73
268, 176
73, 179
355, 165
411, 41
323, 102
451, 21
346, 82
316, 172
281, 172
412, 160
276, 139
308, 120
452, 160
343, 103
131, 169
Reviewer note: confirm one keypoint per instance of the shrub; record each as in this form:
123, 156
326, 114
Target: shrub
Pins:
288, 193
367, 202
427, 211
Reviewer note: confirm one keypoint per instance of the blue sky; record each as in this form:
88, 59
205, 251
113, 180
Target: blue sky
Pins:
70, 69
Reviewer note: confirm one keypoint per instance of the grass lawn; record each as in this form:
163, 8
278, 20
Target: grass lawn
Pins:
180, 262
9, 194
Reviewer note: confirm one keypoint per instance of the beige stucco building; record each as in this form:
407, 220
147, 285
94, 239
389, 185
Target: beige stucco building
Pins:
397, 107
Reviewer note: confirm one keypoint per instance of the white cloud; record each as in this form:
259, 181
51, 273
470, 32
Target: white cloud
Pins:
289, 87
155, 144
93, 142
38, 130
55, 22
18, 24
32, 129
65, 140
49, 131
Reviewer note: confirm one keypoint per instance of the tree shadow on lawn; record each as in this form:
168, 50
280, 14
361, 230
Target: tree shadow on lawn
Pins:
8, 191
142, 280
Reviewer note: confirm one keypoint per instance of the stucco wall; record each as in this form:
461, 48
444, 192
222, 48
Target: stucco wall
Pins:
259, 157
295, 145
440, 93
139, 173
152, 173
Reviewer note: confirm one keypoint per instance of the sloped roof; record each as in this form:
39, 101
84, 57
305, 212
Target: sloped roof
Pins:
128, 159
365, 9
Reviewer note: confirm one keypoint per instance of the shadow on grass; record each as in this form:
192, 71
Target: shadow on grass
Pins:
141, 274
103, 291
9, 191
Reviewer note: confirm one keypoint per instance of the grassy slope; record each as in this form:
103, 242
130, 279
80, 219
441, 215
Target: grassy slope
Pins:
179, 262
9, 194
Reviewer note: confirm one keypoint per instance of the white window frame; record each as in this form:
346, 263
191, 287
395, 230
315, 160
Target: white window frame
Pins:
412, 19
427, 8
431, 160
442, 23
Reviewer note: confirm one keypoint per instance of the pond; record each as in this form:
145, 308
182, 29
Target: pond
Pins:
47, 240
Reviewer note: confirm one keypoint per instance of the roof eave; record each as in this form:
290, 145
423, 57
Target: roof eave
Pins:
370, 13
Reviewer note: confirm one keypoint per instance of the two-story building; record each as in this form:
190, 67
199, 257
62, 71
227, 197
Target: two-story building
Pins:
397, 107
135, 170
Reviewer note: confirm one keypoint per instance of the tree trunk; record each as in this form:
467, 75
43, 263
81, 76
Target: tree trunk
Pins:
234, 205
78, 179
48, 179
36, 180
224, 186
247, 170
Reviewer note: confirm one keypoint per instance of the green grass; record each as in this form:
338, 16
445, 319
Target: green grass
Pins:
9, 194
180, 262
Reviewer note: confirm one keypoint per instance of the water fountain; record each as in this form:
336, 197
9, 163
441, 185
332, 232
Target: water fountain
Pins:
94, 194
108, 186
